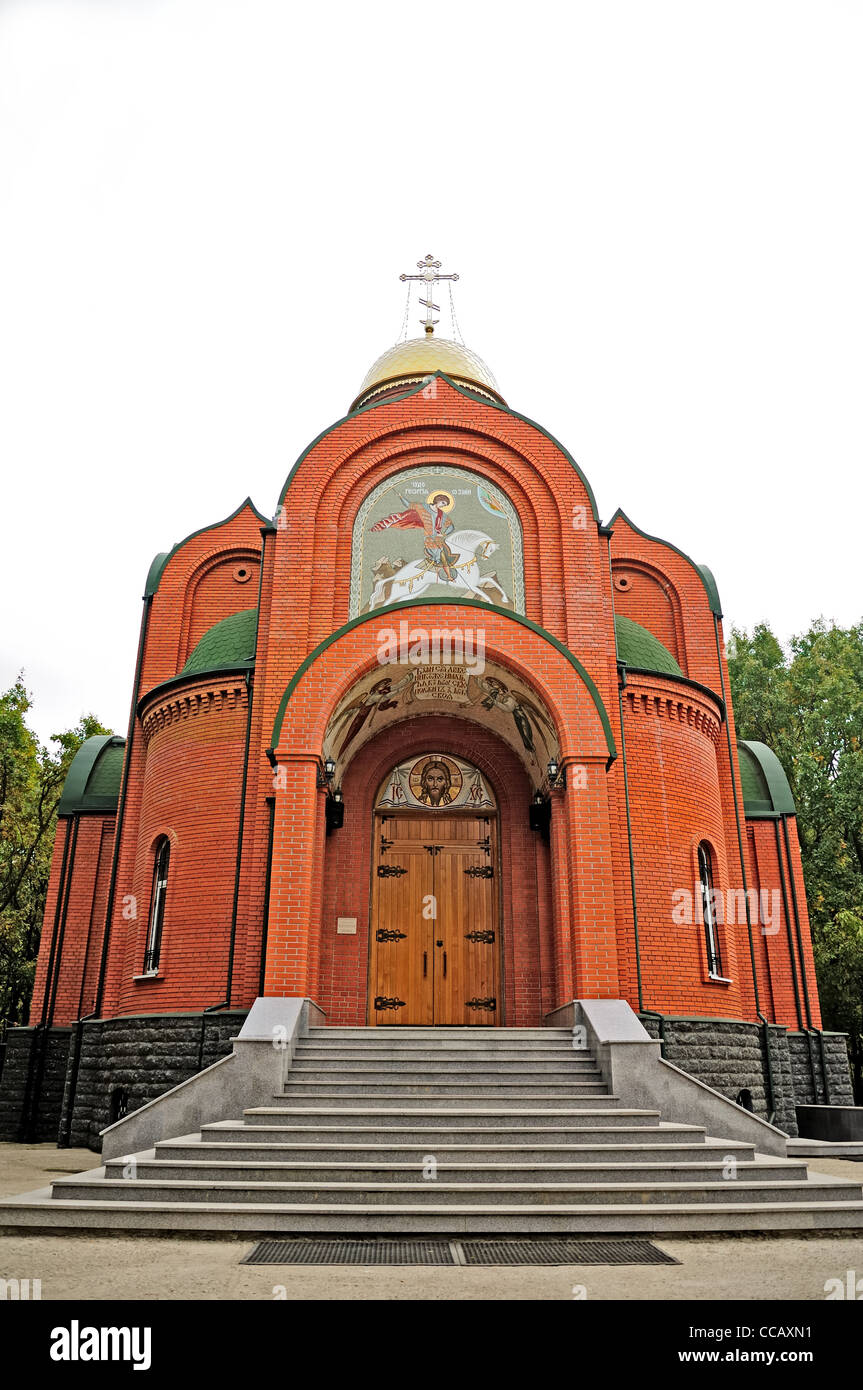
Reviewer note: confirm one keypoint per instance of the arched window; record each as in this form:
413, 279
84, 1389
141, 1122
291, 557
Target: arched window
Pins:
157, 906
708, 909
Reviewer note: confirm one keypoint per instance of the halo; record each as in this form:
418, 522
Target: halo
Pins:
441, 492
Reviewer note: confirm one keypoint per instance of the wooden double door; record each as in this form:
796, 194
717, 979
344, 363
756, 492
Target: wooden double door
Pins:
435, 938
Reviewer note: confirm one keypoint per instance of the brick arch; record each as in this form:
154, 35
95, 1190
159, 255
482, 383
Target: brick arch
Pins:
330, 481
542, 662
211, 589
340, 973
651, 599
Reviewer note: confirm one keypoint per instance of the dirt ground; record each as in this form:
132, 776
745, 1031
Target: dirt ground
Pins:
138, 1267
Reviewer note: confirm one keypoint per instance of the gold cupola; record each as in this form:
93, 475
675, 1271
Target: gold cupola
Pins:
409, 362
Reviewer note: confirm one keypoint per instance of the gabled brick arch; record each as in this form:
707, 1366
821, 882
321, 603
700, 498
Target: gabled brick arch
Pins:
582, 908
539, 659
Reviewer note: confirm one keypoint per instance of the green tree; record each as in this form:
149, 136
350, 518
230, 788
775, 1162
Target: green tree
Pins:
808, 706
31, 780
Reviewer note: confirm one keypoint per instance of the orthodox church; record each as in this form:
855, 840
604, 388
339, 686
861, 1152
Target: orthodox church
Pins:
431, 745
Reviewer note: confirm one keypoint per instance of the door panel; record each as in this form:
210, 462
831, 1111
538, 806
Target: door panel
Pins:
467, 964
401, 949
435, 951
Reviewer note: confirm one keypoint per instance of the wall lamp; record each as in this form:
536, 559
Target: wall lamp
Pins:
556, 774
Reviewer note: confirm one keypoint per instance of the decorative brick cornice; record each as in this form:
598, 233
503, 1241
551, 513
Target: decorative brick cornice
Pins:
226, 695
666, 700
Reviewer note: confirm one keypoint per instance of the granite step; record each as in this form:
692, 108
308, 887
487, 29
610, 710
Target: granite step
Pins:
480, 1112
446, 1064
258, 1220
205, 1168
583, 1155
436, 1193
418, 1083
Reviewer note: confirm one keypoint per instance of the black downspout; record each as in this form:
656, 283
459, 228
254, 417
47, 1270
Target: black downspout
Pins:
265, 925
771, 1084
121, 811
115, 859
241, 823
64, 1138
36, 1061
799, 934
621, 672
791, 955
61, 935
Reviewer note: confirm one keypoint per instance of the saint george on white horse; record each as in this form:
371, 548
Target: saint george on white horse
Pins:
468, 547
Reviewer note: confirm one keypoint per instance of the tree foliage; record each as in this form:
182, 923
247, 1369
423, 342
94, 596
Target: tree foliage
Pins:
31, 780
808, 706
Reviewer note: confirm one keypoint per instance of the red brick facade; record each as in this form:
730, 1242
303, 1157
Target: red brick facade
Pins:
226, 763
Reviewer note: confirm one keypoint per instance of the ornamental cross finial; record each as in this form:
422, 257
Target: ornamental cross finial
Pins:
429, 268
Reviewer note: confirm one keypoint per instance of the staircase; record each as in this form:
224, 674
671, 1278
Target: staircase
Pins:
389, 1131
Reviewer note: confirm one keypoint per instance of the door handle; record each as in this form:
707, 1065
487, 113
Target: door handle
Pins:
444, 964
425, 964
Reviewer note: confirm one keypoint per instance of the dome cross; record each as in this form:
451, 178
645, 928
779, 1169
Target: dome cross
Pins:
429, 268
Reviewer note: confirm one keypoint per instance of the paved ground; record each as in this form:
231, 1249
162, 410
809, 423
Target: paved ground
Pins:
84, 1267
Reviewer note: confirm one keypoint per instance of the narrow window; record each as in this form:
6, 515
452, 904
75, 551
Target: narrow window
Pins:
708, 909
157, 907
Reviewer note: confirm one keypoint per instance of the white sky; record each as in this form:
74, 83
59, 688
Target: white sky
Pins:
655, 210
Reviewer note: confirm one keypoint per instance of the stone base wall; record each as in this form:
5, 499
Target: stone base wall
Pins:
29, 1105
90, 1071
821, 1077
732, 1056
125, 1062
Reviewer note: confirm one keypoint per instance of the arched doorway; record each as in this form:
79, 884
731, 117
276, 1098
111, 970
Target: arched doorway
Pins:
435, 954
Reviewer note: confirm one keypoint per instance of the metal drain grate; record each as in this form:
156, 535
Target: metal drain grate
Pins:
350, 1252
451, 1252
564, 1252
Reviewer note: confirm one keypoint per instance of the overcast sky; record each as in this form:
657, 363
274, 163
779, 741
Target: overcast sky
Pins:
655, 209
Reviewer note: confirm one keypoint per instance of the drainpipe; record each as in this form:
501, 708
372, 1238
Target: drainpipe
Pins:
787, 914
799, 934
265, 924
771, 1084
112, 884
121, 812
621, 672
36, 1064
241, 822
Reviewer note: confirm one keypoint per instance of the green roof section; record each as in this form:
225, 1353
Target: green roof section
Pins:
463, 391
229, 643
160, 561
704, 573
93, 781
766, 791
641, 651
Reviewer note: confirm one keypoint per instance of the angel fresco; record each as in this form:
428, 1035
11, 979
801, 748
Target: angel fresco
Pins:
384, 694
494, 694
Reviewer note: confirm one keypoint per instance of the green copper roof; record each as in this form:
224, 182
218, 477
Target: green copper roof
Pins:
228, 643
640, 650
93, 780
765, 786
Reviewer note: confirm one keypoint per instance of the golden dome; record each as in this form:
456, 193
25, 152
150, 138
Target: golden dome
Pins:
410, 361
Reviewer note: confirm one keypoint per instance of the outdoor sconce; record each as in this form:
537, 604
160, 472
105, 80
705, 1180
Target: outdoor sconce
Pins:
335, 811
556, 774
540, 815
326, 775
